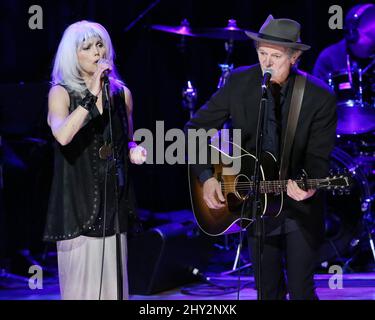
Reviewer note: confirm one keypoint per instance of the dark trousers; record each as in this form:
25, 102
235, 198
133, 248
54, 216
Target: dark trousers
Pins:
292, 253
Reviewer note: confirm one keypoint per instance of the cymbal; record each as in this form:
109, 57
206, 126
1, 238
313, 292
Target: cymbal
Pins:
230, 32
183, 29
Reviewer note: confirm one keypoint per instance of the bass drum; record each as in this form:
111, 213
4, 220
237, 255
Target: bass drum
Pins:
345, 214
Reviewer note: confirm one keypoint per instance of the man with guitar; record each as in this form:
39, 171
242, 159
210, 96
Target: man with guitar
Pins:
292, 238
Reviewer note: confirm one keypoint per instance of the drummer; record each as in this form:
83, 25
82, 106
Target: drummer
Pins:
356, 50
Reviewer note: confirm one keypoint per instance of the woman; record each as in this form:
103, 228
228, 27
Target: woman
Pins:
81, 215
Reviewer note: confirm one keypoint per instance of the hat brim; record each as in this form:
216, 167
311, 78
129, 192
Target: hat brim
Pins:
294, 45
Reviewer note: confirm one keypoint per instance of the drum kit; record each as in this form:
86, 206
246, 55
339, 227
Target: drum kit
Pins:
350, 221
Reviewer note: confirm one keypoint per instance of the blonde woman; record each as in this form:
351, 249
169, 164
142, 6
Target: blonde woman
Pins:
81, 215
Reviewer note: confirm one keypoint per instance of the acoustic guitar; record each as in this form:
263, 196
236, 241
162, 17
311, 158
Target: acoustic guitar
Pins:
239, 187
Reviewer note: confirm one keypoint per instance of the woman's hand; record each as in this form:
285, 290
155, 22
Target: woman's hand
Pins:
95, 83
137, 154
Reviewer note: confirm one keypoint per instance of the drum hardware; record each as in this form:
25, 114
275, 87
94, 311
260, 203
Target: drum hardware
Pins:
371, 64
189, 93
230, 33
189, 98
226, 69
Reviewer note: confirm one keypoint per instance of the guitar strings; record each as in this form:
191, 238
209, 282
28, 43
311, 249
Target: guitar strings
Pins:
263, 184
278, 181
268, 186
270, 183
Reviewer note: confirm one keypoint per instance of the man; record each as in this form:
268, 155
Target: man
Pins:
296, 234
356, 50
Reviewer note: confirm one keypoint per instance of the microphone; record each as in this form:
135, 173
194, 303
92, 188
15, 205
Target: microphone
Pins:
105, 76
266, 78
105, 73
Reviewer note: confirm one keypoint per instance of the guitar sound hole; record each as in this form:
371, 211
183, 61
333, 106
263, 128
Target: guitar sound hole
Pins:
242, 183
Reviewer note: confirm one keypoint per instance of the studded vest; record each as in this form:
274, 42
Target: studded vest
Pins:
79, 187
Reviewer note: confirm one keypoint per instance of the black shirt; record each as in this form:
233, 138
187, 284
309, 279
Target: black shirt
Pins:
275, 119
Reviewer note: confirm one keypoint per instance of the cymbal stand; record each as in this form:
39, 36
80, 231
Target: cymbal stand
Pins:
189, 98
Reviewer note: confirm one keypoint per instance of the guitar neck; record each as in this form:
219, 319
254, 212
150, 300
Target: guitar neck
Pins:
278, 186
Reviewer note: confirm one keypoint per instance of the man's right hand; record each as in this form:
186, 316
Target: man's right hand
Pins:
212, 194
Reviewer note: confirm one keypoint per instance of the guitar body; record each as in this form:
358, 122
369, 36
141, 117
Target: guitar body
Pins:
228, 219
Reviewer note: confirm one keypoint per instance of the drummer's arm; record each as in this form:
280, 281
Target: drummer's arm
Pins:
323, 66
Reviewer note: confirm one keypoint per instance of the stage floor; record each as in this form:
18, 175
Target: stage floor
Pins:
355, 286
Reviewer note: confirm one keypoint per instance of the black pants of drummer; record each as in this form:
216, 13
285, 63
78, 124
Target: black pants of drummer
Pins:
287, 255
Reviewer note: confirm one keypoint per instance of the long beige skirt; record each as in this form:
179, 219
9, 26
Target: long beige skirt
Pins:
80, 265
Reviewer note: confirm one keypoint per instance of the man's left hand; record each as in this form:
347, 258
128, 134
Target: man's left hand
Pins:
297, 193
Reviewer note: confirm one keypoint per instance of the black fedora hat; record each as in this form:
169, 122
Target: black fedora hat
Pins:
284, 32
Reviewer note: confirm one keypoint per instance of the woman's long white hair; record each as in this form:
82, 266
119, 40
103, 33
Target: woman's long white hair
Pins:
66, 69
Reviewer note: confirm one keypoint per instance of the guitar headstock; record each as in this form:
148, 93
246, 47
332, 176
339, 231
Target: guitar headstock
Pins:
338, 184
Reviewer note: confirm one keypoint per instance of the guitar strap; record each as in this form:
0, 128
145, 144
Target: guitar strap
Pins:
294, 110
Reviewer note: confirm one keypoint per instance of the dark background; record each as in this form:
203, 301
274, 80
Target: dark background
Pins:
150, 62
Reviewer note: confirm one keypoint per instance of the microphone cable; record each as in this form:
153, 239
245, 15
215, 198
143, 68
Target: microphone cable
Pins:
210, 287
240, 245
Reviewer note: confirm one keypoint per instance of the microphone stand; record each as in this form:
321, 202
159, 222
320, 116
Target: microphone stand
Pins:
118, 181
256, 205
